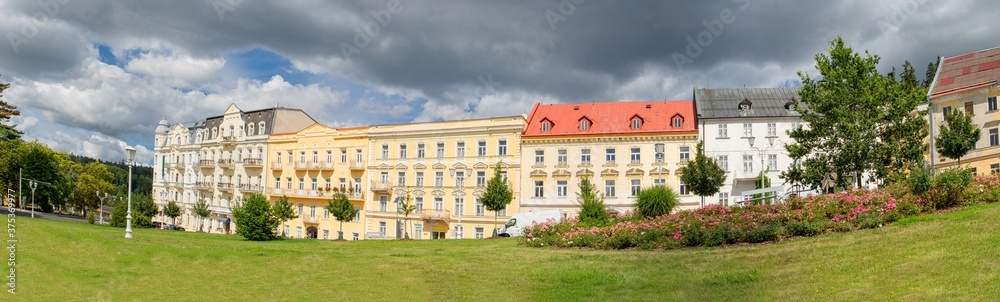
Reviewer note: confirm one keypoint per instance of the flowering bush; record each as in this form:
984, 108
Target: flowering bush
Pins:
799, 216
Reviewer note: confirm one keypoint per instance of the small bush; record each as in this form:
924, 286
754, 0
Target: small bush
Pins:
719, 235
842, 226
592, 207
949, 186
656, 201
763, 233
622, 240
693, 237
805, 228
90, 217
920, 181
871, 221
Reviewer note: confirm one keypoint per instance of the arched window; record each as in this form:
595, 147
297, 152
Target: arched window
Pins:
262, 130
250, 129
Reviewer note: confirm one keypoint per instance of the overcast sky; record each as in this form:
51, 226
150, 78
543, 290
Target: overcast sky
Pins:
93, 76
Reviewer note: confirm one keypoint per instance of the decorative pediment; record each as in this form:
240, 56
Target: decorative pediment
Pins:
458, 193
459, 166
400, 167
439, 166
383, 167
418, 192
609, 172
233, 109
634, 171
479, 193
584, 172
659, 171
481, 166
419, 167
437, 193
562, 173
503, 165
538, 173
399, 192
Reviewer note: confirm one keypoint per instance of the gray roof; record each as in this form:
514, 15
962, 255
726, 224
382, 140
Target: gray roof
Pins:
764, 102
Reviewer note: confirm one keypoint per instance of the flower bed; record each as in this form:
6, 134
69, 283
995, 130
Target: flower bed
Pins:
717, 225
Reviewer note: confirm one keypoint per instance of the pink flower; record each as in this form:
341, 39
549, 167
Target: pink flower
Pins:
677, 236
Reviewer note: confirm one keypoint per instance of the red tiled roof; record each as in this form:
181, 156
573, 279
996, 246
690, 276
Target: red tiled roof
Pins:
967, 71
611, 118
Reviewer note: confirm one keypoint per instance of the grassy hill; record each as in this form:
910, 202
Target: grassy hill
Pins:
954, 256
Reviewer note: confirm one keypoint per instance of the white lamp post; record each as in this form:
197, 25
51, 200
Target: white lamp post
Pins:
128, 216
33, 184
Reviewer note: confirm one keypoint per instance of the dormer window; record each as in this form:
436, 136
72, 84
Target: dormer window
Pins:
546, 125
636, 122
790, 106
745, 105
262, 130
678, 121
585, 124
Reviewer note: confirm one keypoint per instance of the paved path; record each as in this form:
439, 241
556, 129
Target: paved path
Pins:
27, 213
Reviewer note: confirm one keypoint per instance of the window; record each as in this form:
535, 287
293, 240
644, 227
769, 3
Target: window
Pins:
747, 130
635, 155
459, 179
995, 168
385, 151
636, 123
609, 187
539, 188
401, 179
277, 183
723, 131
459, 229
357, 155
439, 179
381, 228
609, 155
326, 234
561, 157
290, 157
459, 206
772, 129
343, 184
723, 161
460, 151
991, 103
302, 183
636, 186
561, 188
329, 156
479, 233
262, 131
343, 156
402, 151
973, 171
420, 178
658, 152
314, 184
685, 154
300, 210
585, 156
420, 151
546, 126
288, 183
994, 137
383, 203
481, 149
724, 199
678, 121
502, 147
418, 204
287, 230
539, 157
772, 162
481, 178
440, 150
312, 211
584, 124
969, 109
748, 163
480, 208
659, 182
946, 110
438, 203
682, 187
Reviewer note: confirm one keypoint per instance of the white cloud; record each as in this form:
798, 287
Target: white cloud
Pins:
177, 70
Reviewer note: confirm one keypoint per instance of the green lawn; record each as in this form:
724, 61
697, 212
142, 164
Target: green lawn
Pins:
952, 256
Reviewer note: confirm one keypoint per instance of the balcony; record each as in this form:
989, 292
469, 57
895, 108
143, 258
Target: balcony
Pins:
202, 185
224, 186
248, 188
225, 163
683, 162
206, 164
357, 165
172, 184
276, 191
443, 215
302, 165
276, 166
309, 219
228, 140
324, 166
381, 186
253, 163
585, 163
174, 165
219, 209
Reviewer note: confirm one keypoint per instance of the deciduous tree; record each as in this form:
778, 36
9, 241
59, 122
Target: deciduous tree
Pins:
498, 195
342, 210
703, 176
254, 219
958, 136
283, 211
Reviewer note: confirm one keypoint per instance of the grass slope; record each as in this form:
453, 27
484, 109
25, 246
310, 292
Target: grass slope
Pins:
934, 257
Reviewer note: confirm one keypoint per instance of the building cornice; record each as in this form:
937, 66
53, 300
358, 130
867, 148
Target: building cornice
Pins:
609, 139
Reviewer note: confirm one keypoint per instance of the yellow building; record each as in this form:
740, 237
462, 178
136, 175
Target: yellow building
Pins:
309, 167
444, 166
970, 83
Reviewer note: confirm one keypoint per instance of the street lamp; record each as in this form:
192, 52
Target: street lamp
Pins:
128, 216
33, 185
770, 143
100, 210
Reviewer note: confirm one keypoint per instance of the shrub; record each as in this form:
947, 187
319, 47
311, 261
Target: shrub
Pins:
870, 221
592, 207
948, 187
719, 235
693, 237
253, 218
921, 179
763, 233
90, 217
656, 201
805, 228
842, 226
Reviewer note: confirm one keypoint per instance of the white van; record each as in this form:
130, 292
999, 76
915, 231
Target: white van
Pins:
517, 223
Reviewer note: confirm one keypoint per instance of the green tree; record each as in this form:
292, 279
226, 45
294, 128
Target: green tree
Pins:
143, 211
172, 211
958, 135
342, 210
656, 201
93, 178
283, 211
857, 118
201, 211
930, 73
592, 207
703, 176
254, 219
7, 132
762, 182
498, 195
40, 164
406, 209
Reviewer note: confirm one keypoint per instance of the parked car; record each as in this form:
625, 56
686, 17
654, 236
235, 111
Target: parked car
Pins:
157, 224
517, 223
174, 227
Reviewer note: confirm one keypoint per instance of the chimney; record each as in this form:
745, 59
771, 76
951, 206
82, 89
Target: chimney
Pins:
649, 106
576, 107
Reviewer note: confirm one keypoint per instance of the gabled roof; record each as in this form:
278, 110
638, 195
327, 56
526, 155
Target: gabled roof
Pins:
968, 71
764, 102
610, 118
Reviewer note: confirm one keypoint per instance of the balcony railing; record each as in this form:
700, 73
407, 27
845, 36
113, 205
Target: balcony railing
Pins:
276, 166
301, 165
310, 219
203, 185
225, 163
436, 215
585, 163
357, 165
381, 185
250, 188
253, 162
229, 139
224, 186
206, 164
325, 166
276, 191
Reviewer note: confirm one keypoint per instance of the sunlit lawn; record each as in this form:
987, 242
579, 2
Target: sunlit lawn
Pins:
929, 258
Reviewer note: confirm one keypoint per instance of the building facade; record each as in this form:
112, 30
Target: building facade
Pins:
309, 167
219, 160
444, 168
746, 130
620, 147
969, 83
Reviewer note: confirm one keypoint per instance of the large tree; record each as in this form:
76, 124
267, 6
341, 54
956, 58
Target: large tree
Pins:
930, 73
283, 211
958, 136
703, 176
253, 218
172, 211
498, 195
92, 179
858, 121
342, 210
201, 211
7, 132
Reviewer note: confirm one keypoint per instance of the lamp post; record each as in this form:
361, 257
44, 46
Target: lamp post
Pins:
100, 210
128, 215
770, 143
33, 185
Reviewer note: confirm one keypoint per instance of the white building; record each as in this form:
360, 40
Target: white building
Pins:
746, 130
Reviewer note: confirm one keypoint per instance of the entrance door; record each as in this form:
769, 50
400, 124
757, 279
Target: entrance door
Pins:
311, 232
437, 235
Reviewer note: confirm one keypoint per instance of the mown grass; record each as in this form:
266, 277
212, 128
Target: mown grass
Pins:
951, 256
